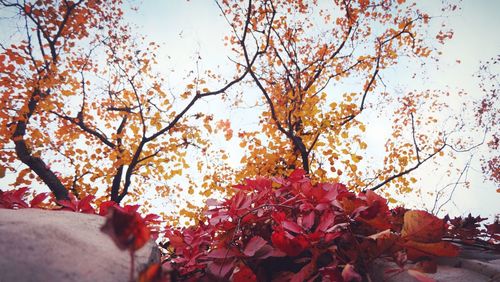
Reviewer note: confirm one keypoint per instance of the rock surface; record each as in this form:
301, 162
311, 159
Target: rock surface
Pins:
42, 245
472, 265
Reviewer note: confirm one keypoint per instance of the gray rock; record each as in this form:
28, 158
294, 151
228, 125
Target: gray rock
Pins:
42, 245
472, 265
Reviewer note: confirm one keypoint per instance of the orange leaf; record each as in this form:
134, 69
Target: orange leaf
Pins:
421, 226
440, 249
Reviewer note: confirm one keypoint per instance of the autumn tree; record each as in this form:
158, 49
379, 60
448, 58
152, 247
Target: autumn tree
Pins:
85, 110
323, 72
33, 70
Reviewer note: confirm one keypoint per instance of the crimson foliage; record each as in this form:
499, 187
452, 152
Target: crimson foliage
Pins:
293, 230
15, 199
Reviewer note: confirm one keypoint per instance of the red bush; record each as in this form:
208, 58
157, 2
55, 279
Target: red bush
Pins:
293, 230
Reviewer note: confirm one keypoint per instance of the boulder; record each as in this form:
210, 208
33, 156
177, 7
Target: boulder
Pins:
474, 264
43, 245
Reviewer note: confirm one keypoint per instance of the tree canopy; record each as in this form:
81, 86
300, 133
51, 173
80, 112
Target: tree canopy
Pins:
86, 111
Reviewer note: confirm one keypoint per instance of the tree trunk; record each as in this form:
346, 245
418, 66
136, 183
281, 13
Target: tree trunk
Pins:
36, 164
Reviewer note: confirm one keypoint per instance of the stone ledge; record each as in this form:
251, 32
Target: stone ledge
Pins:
43, 245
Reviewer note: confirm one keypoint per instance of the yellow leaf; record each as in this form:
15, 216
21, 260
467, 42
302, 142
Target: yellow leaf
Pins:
356, 158
363, 145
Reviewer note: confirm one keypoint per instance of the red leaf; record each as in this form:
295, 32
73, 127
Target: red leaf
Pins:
259, 184
212, 203
332, 236
307, 221
152, 218
38, 199
255, 244
372, 197
73, 204
349, 274
68, 205
330, 273
422, 226
304, 273
381, 235
27, 8
104, 207
13, 199
131, 208
19, 194
239, 203
493, 228
156, 273
127, 229
440, 249
370, 212
220, 269
292, 247
278, 217
151, 274
222, 253
327, 220
84, 205
265, 252
332, 191
153, 222
245, 274
385, 240
292, 226
297, 175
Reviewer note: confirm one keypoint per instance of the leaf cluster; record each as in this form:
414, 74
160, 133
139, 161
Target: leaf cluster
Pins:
290, 229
